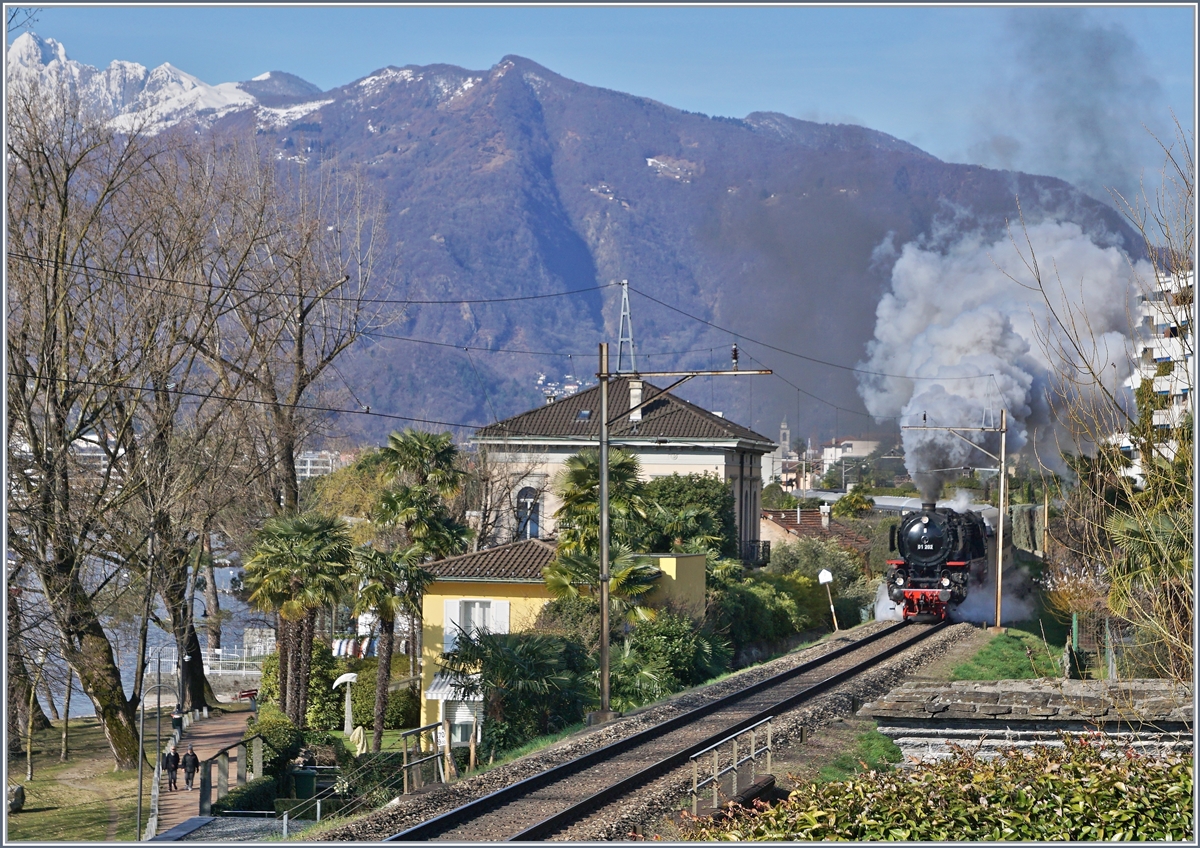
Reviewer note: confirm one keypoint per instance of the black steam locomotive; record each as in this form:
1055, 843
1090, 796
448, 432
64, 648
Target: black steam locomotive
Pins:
938, 548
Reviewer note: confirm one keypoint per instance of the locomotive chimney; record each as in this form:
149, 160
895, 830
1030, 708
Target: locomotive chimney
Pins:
928, 506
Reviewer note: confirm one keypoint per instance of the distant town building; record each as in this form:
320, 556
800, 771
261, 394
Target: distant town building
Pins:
311, 464
848, 448
1165, 357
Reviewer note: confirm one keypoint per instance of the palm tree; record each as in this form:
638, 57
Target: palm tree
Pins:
298, 566
578, 487
389, 585
693, 529
522, 679
630, 579
430, 458
421, 511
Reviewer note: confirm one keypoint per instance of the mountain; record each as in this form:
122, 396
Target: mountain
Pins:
161, 97
517, 182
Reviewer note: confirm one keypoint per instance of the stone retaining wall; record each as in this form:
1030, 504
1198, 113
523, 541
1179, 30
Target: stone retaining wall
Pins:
928, 720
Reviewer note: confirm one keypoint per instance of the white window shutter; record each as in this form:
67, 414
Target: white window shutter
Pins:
450, 627
498, 622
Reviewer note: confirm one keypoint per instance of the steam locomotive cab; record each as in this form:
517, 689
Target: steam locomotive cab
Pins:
937, 548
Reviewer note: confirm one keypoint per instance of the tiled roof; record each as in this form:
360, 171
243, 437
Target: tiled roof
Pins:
809, 524
517, 561
665, 417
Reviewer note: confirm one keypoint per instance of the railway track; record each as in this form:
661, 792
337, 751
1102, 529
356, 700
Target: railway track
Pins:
547, 804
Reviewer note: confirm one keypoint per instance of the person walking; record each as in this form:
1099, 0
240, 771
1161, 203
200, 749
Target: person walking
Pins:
190, 764
171, 764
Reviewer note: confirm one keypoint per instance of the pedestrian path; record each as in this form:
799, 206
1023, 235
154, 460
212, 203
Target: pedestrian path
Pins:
207, 736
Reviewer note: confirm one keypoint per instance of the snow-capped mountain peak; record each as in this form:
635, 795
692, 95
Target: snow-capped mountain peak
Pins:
134, 96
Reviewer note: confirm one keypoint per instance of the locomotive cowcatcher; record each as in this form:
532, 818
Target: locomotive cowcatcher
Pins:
937, 549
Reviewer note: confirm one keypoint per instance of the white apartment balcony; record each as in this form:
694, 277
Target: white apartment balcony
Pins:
1171, 416
1172, 384
1172, 350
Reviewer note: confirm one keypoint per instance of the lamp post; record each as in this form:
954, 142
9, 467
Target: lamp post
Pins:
142, 743
605, 713
37, 677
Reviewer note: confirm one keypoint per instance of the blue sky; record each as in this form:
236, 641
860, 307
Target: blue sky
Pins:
999, 86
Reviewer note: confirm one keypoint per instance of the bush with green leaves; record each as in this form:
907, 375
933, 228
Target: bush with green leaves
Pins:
403, 707
1087, 790
283, 739
689, 655
258, 794
753, 610
674, 492
325, 707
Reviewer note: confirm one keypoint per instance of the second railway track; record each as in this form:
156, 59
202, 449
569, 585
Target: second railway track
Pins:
548, 803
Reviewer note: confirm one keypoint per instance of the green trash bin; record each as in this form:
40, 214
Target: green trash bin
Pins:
306, 783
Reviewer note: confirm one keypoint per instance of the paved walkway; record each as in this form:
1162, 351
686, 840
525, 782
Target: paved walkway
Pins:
207, 736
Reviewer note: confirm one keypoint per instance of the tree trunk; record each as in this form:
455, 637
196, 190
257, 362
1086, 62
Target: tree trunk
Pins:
307, 631
383, 676
282, 648
18, 681
65, 751
174, 593
212, 602
91, 656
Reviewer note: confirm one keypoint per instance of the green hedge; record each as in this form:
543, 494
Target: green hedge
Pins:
258, 794
403, 708
1086, 791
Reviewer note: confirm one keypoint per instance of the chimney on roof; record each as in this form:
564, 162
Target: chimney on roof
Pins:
549, 398
635, 399
825, 510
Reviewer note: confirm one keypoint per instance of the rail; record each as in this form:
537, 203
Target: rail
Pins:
734, 764
480, 806
222, 660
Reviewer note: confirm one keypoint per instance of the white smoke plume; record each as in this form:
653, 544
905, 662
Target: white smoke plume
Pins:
959, 333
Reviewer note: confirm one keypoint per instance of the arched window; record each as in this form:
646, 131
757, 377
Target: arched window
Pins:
528, 513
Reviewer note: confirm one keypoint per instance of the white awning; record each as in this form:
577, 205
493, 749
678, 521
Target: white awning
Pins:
441, 689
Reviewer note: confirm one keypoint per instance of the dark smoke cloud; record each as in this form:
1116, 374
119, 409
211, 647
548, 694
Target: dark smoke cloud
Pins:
1075, 103
955, 311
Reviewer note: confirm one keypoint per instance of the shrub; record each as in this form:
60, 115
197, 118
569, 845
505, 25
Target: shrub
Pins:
257, 794
283, 739
675, 491
403, 707
689, 656
326, 707
753, 610
1085, 791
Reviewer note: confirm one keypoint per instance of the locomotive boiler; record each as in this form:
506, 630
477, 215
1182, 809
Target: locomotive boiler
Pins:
937, 549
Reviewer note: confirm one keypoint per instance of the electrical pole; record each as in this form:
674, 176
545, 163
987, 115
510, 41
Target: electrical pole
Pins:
605, 713
1003, 494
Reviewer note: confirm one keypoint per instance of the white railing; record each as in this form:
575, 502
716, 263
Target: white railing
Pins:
218, 661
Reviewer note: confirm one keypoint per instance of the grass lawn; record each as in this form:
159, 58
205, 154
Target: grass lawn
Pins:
872, 751
1029, 649
81, 800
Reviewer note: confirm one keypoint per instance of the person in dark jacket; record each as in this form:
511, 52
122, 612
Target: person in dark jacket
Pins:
190, 764
171, 764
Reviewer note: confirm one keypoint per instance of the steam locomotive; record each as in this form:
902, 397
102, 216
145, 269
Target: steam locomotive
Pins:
938, 549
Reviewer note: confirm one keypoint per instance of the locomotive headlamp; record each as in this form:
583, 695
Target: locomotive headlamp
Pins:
899, 578
924, 519
945, 581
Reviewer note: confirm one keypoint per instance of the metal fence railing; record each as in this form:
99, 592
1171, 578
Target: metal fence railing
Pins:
748, 755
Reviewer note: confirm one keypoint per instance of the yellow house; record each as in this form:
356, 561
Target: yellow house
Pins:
501, 590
